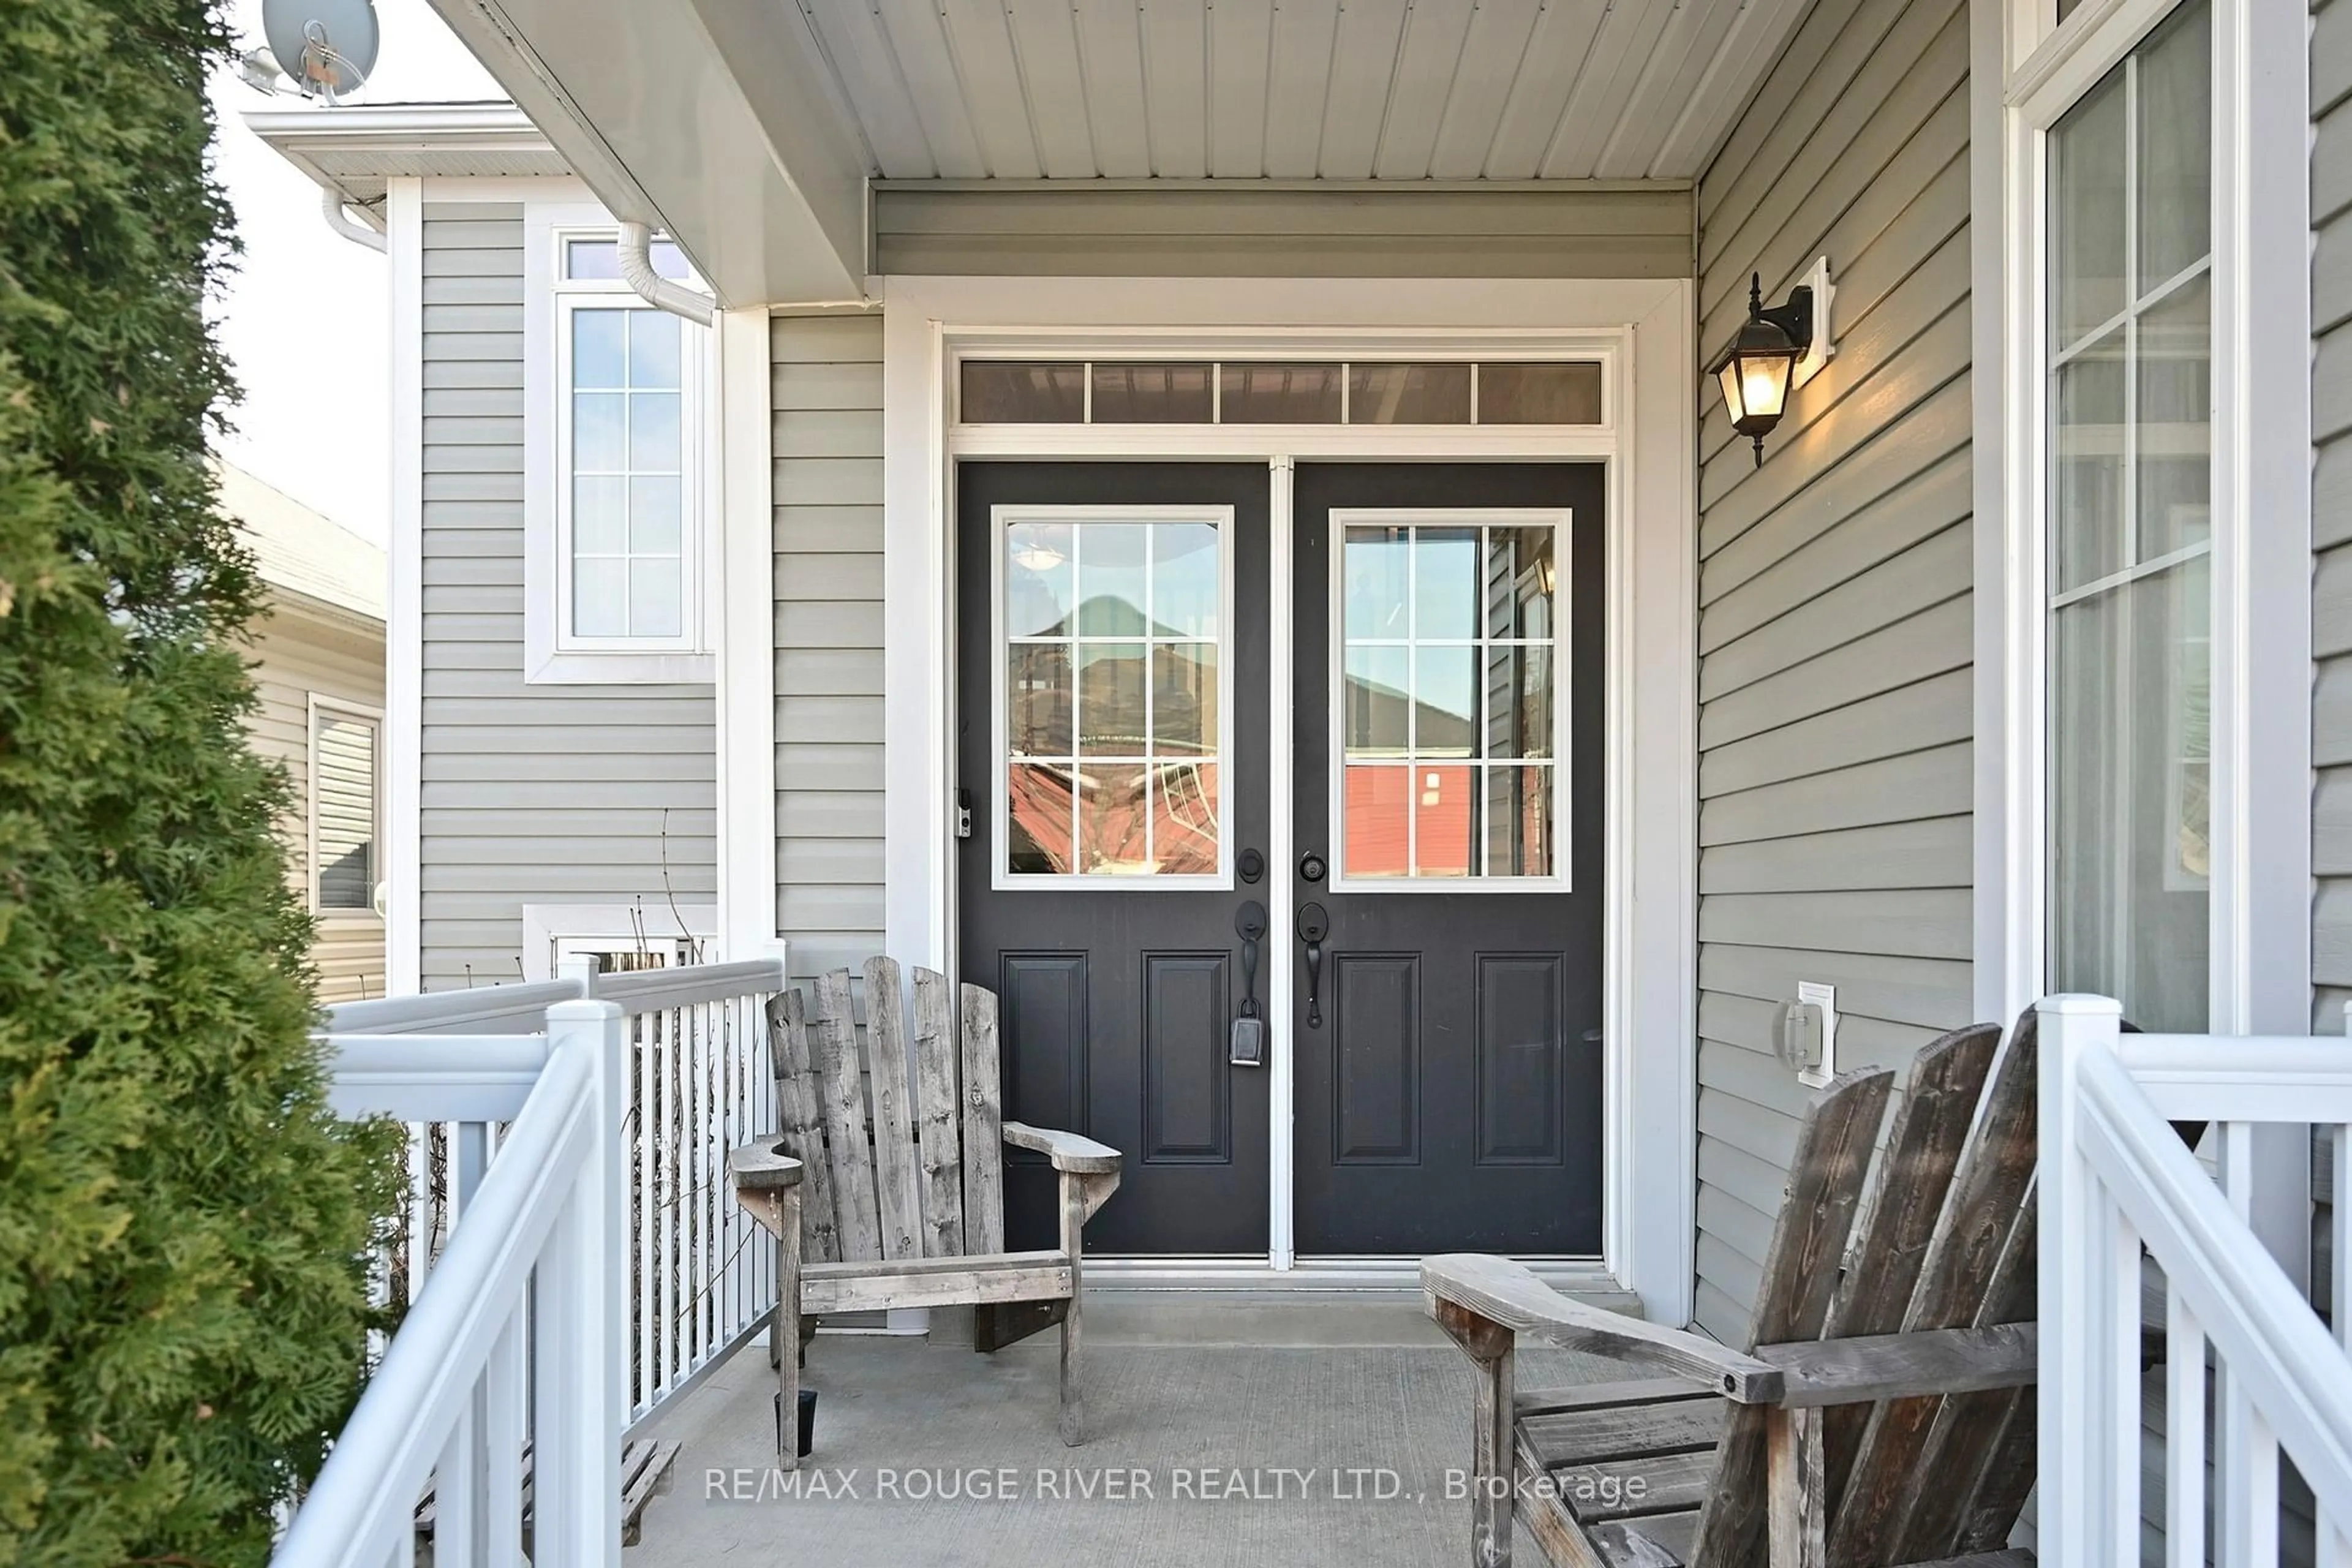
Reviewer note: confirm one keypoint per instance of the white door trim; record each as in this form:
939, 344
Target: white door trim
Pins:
1644, 331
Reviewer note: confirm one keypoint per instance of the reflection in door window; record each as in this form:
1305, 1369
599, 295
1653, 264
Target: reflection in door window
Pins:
1112, 697
1447, 700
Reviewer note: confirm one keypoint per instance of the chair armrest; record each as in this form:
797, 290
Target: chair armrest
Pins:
763, 1166
1067, 1151
1905, 1366
1508, 1294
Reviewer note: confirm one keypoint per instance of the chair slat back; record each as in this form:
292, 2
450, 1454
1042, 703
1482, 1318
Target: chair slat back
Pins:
984, 1125
895, 1184
937, 1115
1826, 1180
800, 1121
1974, 1273
844, 1097
1915, 1174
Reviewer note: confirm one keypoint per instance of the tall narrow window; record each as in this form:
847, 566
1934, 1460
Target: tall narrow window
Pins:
2129, 533
629, 445
342, 810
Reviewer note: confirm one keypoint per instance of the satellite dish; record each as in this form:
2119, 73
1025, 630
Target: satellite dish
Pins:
327, 47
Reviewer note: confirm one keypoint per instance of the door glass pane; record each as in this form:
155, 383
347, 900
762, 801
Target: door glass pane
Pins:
1540, 394
2175, 134
2128, 657
1152, 395
1113, 695
1448, 649
1278, 394
1000, 392
1407, 394
2088, 226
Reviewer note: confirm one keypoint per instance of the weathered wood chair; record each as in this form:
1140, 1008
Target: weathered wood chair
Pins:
907, 1209
1880, 1412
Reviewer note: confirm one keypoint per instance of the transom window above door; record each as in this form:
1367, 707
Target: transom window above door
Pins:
1113, 626
1448, 719
1265, 391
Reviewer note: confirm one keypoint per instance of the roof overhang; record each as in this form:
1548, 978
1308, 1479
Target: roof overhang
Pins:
355, 151
709, 120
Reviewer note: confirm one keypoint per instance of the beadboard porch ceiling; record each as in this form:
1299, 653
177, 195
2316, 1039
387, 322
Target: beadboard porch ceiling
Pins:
757, 131
1328, 90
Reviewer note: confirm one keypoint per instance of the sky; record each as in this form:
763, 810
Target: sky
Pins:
307, 320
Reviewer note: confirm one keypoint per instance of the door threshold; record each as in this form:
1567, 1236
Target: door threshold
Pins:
1586, 1279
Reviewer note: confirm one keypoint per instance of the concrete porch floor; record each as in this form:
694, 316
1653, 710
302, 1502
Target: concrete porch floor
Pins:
1222, 1429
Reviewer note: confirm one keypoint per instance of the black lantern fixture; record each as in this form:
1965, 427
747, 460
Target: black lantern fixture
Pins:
1757, 369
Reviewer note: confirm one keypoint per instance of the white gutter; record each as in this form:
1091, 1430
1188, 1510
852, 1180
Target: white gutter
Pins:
331, 205
638, 268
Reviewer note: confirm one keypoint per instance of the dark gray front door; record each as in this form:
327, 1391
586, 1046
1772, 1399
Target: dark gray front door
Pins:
1448, 816
1112, 701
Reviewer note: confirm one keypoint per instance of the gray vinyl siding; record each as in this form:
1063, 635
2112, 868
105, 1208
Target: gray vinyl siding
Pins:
1283, 231
2331, 510
827, 435
557, 794
1835, 628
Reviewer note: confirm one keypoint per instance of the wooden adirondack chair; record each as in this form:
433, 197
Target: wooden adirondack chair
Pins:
1880, 1412
908, 1209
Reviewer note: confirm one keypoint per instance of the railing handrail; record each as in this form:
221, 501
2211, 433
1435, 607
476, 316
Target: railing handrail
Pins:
653, 990
518, 1003
434, 1077
423, 1393
2241, 1077
2245, 1304
519, 1007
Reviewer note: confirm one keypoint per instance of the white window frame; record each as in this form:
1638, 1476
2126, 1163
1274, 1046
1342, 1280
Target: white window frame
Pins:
1221, 518
2259, 882
335, 708
550, 932
552, 653
1558, 520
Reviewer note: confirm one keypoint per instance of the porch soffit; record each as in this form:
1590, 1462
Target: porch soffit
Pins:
756, 130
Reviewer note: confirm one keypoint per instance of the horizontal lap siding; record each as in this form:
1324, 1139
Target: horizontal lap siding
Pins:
603, 794
828, 411
294, 657
2331, 510
1834, 623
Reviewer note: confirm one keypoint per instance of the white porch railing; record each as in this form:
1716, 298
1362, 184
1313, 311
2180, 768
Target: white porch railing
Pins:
2114, 1178
697, 1081
542, 1247
570, 1256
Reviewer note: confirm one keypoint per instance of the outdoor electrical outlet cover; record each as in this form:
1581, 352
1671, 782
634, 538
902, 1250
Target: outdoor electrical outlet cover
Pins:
1814, 993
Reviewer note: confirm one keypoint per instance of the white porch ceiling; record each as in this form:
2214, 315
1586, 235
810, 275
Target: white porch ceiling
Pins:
1299, 89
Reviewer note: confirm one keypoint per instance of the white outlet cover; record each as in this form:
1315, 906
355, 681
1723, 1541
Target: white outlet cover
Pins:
1815, 993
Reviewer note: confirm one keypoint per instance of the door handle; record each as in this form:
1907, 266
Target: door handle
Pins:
1314, 925
1249, 1029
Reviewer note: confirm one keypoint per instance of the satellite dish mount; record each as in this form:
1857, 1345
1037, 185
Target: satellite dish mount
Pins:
326, 48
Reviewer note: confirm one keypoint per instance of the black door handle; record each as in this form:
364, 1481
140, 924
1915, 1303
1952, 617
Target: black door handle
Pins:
1314, 925
1249, 1029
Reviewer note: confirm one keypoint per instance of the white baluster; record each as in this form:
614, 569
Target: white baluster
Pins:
2247, 1533
2184, 1434
502, 1438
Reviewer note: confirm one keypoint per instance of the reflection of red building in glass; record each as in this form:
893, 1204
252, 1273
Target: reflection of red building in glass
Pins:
1176, 800
1380, 841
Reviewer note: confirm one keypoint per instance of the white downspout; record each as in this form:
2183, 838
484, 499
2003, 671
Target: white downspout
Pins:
638, 268
330, 203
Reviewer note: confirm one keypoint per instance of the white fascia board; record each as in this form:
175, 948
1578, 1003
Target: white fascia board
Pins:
709, 120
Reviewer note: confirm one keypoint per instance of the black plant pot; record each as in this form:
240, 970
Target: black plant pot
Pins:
805, 1437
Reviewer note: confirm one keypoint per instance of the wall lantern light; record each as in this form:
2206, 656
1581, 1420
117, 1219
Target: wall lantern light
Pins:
1775, 352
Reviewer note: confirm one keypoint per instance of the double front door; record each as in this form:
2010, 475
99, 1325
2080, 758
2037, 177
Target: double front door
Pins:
1440, 919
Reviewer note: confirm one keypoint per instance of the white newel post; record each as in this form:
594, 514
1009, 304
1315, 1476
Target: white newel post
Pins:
583, 1392
2076, 1473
